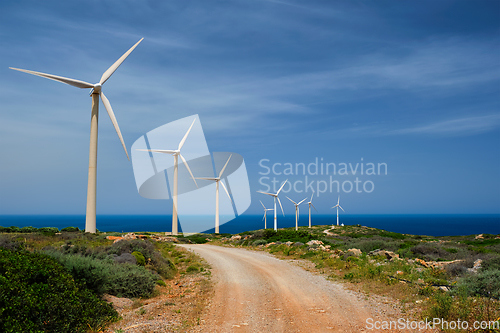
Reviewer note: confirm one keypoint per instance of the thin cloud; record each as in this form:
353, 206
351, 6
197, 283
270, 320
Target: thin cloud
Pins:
456, 127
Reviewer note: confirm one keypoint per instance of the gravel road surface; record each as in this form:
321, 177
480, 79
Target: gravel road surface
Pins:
256, 292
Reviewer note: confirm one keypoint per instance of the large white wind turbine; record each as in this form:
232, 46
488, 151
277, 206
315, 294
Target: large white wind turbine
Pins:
275, 195
176, 154
90, 221
296, 212
338, 206
265, 214
311, 204
217, 181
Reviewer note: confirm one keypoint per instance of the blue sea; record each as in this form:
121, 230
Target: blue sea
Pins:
431, 225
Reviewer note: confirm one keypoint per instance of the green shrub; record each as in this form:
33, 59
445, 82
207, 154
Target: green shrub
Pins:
48, 230
192, 268
484, 283
10, 229
288, 235
105, 276
70, 229
39, 295
159, 263
28, 229
259, 242
141, 261
161, 283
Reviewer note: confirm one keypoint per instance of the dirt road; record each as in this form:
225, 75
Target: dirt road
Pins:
256, 292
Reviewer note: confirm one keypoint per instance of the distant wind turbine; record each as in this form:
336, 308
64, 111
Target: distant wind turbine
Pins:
311, 204
265, 214
338, 206
176, 154
217, 181
96, 92
296, 212
275, 195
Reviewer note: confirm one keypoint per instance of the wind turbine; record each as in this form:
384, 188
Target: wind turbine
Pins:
338, 206
311, 204
296, 212
217, 181
275, 195
90, 221
265, 214
176, 154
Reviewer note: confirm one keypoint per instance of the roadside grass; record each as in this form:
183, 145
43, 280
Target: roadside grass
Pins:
451, 292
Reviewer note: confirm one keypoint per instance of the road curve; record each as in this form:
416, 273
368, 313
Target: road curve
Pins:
256, 292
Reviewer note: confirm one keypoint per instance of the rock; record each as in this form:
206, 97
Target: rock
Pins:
388, 254
337, 253
247, 237
297, 244
269, 244
314, 242
420, 281
289, 243
422, 262
354, 252
399, 272
479, 236
114, 238
477, 266
236, 237
443, 288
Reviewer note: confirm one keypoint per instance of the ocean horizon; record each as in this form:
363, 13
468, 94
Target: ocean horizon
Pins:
421, 224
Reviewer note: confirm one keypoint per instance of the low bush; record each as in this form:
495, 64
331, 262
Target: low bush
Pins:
159, 263
38, 295
70, 229
125, 258
288, 235
259, 242
484, 283
105, 276
141, 261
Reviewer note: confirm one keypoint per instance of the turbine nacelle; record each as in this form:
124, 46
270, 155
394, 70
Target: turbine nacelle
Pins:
96, 89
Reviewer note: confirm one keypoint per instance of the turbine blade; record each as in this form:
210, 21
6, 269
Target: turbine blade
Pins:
302, 201
107, 74
312, 195
281, 187
263, 217
113, 120
313, 207
291, 200
214, 179
281, 206
71, 82
225, 189
338, 200
341, 208
262, 204
158, 151
224, 168
186, 135
187, 167
271, 194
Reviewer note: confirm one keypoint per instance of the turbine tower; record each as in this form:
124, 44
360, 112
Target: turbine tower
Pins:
275, 195
96, 92
217, 181
311, 204
296, 212
265, 214
338, 206
176, 154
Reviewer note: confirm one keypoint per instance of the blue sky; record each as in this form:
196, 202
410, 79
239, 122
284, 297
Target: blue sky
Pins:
414, 85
